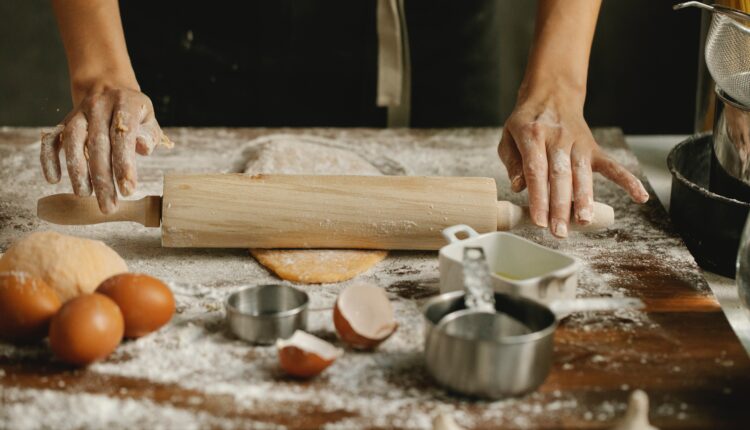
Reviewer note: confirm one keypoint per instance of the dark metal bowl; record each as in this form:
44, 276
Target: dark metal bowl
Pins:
709, 223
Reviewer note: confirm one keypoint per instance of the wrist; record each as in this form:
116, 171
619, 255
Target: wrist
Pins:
554, 86
85, 82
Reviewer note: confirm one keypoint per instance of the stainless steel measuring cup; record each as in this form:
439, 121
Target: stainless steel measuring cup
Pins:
497, 354
264, 313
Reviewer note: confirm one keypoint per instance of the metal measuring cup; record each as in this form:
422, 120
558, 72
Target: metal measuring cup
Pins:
264, 313
503, 352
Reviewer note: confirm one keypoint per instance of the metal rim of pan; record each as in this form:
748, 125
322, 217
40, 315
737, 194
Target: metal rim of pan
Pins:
676, 174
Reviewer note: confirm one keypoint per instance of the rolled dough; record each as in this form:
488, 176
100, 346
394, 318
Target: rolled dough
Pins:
310, 155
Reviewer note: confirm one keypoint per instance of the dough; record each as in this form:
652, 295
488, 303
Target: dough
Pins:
304, 155
445, 421
70, 265
636, 416
308, 155
312, 266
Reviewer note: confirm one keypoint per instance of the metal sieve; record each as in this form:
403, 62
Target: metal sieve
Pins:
728, 49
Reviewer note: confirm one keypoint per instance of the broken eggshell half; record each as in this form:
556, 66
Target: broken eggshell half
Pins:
363, 316
304, 355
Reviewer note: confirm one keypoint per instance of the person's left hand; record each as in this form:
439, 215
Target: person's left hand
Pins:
548, 147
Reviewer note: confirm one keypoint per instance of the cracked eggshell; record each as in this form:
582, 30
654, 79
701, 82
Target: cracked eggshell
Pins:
304, 355
363, 316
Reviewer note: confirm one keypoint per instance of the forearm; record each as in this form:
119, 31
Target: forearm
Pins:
94, 43
562, 45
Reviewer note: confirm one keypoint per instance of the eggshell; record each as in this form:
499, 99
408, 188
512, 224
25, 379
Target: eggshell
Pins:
146, 302
363, 316
27, 305
304, 355
86, 329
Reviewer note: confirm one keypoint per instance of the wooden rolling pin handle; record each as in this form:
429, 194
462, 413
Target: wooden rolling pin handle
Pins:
69, 209
510, 215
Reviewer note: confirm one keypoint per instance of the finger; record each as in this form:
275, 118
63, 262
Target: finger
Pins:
619, 175
74, 142
561, 189
583, 186
100, 156
122, 135
49, 154
511, 158
149, 135
532, 148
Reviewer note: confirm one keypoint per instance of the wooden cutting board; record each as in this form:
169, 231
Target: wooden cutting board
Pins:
681, 351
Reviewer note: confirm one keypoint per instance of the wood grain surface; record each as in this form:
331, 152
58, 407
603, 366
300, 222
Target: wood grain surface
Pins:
298, 211
681, 351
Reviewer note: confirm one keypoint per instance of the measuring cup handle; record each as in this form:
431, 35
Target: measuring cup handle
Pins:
451, 233
594, 304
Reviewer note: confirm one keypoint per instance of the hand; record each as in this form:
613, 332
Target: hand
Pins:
100, 138
548, 147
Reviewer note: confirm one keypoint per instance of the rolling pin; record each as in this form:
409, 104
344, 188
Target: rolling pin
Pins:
298, 211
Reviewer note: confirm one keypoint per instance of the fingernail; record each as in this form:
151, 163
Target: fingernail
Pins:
83, 188
559, 228
126, 187
515, 183
641, 197
108, 206
541, 218
585, 215
108, 203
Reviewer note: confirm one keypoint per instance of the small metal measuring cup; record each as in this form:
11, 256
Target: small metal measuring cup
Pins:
498, 354
264, 313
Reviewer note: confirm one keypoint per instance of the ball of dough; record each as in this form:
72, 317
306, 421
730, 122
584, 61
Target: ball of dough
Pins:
70, 265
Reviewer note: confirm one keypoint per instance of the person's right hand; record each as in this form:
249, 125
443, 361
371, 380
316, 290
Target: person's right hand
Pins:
100, 137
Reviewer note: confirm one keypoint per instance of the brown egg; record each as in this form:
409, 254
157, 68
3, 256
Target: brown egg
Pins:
87, 328
146, 303
27, 304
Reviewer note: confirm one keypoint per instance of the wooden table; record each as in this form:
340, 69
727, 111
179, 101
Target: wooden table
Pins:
193, 374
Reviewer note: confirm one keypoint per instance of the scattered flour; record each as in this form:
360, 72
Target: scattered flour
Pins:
228, 383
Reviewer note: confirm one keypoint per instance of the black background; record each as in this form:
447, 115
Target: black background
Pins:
313, 63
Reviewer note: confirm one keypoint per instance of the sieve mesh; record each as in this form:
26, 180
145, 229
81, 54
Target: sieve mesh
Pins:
728, 56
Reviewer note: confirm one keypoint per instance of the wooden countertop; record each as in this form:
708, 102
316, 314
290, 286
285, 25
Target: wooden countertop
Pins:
681, 351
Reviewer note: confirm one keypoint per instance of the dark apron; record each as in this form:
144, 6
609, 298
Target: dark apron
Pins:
310, 62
